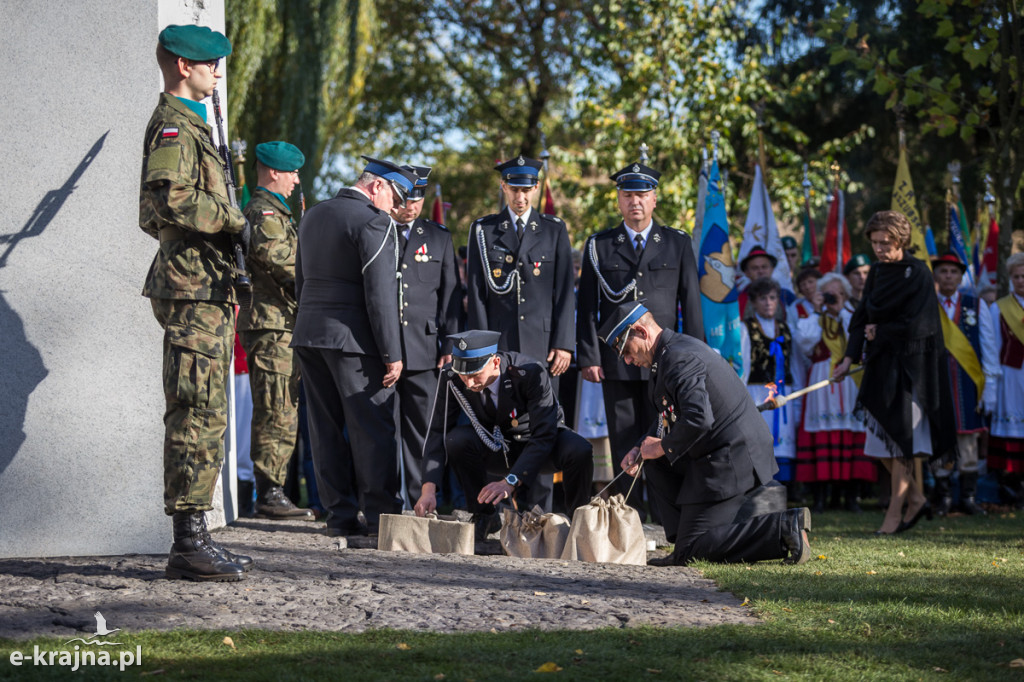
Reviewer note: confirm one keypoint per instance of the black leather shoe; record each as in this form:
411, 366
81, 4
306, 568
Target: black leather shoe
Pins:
925, 510
192, 558
245, 562
272, 503
486, 523
669, 560
795, 524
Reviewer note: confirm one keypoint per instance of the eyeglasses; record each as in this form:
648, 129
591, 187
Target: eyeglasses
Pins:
214, 64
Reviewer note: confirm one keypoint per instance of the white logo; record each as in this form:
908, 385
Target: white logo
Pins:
636, 168
80, 657
521, 161
462, 344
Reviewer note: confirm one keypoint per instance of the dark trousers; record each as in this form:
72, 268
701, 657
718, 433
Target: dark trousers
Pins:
630, 414
415, 398
475, 465
345, 390
706, 530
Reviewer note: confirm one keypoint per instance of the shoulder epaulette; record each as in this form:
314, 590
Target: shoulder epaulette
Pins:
432, 223
552, 217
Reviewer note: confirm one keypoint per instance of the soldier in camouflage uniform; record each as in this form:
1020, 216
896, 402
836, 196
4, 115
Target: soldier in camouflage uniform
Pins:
184, 203
266, 329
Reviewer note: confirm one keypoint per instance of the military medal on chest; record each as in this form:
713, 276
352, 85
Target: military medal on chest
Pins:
515, 417
421, 254
536, 268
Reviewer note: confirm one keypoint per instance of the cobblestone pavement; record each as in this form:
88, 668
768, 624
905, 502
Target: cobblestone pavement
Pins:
305, 580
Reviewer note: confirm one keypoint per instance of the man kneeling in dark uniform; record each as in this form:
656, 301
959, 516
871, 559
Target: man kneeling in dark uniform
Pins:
708, 448
516, 431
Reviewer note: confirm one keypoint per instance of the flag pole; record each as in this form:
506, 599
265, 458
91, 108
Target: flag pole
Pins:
762, 158
841, 222
544, 156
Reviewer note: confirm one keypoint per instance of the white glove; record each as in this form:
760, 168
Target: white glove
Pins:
988, 396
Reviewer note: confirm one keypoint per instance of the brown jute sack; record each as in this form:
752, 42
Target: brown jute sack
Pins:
533, 534
430, 534
606, 532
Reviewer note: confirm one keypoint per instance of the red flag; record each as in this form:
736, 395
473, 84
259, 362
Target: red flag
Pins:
990, 259
437, 210
549, 201
832, 256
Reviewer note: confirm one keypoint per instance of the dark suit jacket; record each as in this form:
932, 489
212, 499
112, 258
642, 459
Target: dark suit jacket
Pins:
431, 292
524, 394
717, 439
341, 306
665, 275
543, 317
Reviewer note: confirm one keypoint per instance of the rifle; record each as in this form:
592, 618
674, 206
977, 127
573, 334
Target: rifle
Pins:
243, 285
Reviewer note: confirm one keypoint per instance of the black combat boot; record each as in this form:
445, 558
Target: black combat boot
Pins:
968, 489
820, 491
191, 557
272, 503
943, 496
246, 493
244, 562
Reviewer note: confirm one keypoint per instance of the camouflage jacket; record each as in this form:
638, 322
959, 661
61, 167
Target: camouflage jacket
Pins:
271, 264
183, 202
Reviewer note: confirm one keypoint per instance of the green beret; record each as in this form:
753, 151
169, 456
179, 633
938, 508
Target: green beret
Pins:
857, 261
280, 156
789, 243
198, 43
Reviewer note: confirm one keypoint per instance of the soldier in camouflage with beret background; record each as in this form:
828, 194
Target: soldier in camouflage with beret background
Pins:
266, 329
184, 203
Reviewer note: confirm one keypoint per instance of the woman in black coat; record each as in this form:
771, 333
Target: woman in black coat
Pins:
904, 396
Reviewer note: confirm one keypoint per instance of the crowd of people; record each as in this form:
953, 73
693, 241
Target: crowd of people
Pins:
425, 373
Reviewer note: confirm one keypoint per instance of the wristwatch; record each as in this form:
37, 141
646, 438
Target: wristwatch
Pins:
512, 480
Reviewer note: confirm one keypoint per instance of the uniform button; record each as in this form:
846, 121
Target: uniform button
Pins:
406, 286
522, 317
405, 323
405, 266
406, 305
639, 274
639, 293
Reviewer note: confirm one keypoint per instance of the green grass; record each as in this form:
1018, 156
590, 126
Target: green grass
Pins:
943, 602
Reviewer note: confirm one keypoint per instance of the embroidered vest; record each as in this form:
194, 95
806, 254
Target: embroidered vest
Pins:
762, 364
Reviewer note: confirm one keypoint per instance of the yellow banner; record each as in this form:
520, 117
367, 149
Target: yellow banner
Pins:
1013, 314
962, 350
905, 201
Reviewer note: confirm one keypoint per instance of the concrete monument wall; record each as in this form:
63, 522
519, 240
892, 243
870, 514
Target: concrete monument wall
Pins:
81, 402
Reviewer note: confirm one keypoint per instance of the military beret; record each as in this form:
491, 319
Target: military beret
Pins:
636, 177
789, 243
419, 189
472, 348
280, 156
198, 43
857, 261
520, 171
621, 317
401, 179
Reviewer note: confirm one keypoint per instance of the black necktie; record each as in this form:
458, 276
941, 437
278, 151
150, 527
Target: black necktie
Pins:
489, 409
639, 239
520, 226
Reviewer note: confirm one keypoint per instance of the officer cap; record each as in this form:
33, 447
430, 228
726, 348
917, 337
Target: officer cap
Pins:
280, 156
198, 43
613, 328
520, 171
402, 180
950, 258
857, 261
754, 253
789, 243
419, 189
636, 177
472, 349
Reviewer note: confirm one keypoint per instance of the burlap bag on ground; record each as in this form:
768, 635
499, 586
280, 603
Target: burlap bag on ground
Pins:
607, 532
533, 534
424, 535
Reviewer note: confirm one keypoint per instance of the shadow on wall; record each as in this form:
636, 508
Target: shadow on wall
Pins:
23, 370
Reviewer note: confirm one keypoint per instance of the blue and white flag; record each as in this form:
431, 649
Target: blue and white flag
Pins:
717, 272
762, 231
957, 246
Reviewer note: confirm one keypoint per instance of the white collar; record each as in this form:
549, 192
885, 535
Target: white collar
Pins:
645, 233
525, 217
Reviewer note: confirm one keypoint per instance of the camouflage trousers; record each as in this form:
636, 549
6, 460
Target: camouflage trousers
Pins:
274, 378
198, 340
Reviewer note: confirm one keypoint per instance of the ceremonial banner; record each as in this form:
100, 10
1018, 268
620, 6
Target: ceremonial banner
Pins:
549, 201
990, 257
717, 272
437, 210
702, 194
809, 247
905, 201
929, 240
957, 246
836, 249
761, 230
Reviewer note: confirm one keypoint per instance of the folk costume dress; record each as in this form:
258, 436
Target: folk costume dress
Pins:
1002, 338
767, 347
830, 441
